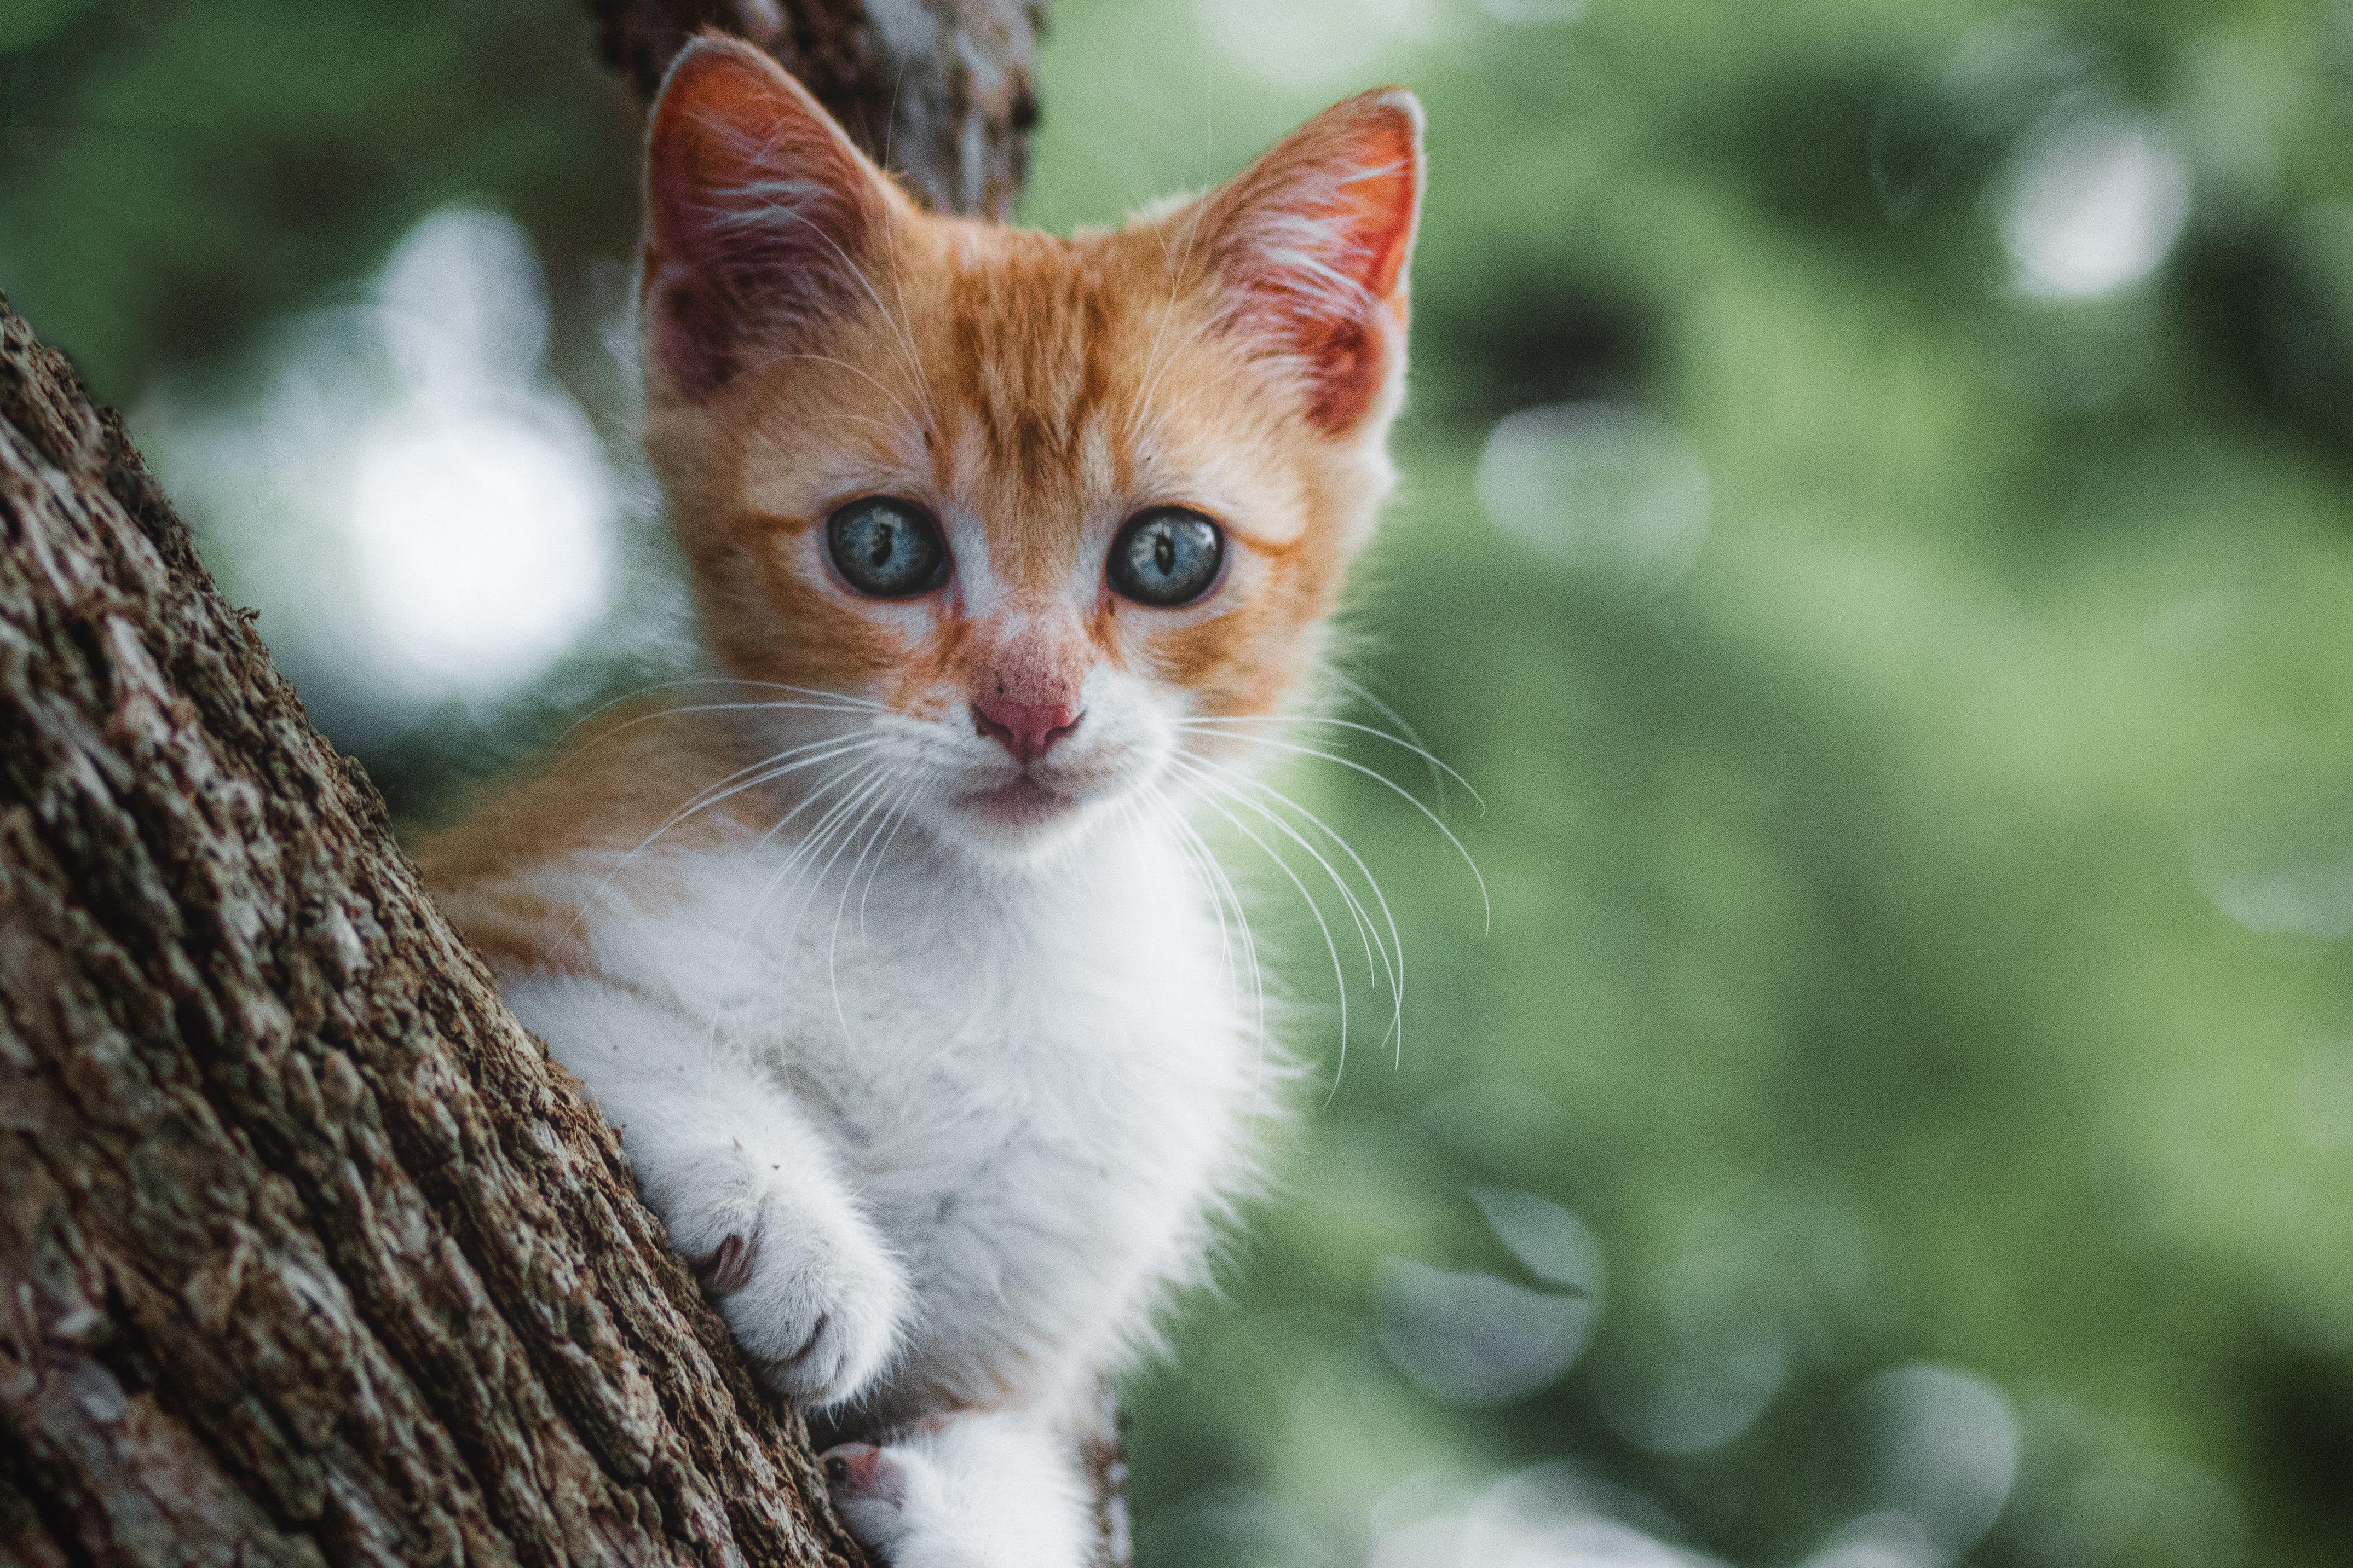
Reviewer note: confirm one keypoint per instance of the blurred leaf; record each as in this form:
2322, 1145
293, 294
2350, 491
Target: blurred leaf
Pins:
28, 21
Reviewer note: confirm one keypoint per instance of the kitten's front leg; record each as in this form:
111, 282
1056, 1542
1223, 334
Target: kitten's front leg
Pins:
981, 1490
746, 1186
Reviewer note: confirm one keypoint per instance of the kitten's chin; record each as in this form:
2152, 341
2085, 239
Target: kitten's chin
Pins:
1023, 802
1021, 818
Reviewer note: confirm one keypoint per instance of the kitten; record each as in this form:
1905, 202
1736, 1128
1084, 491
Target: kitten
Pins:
889, 955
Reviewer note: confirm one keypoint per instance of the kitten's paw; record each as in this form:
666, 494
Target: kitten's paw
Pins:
980, 1491
869, 1491
806, 1287
891, 1500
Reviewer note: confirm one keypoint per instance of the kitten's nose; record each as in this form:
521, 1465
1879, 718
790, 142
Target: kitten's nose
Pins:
1028, 730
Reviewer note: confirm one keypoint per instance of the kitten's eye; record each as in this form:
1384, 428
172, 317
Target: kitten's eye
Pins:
1166, 556
886, 547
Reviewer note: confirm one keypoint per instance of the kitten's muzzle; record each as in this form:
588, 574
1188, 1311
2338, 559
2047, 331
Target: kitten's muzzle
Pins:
1028, 730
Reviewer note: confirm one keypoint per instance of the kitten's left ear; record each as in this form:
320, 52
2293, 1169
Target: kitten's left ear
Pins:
758, 212
1310, 245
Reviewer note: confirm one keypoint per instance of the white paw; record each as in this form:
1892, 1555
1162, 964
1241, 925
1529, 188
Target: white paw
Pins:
806, 1287
891, 1499
981, 1491
869, 1486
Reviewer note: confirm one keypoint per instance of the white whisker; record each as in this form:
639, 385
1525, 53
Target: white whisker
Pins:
712, 794
882, 425
720, 708
898, 820
1339, 972
897, 402
1232, 780
767, 771
1224, 897
798, 856
1438, 768
1486, 904
863, 704
768, 212
836, 828
1153, 364
833, 943
1225, 784
1392, 949
1159, 370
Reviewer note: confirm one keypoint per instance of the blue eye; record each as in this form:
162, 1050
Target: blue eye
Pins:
888, 548
1166, 556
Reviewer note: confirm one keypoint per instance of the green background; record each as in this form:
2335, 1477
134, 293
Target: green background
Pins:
1918, 925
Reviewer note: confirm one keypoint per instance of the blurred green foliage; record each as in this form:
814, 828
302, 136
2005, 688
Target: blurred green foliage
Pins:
1919, 927
179, 174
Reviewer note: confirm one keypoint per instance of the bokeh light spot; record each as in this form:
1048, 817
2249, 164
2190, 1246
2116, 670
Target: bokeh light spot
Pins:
1943, 1451
1553, 1243
1548, 1517
479, 545
419, 513
2276, 851
1314, 46
1472, 1339
2093, 205
1600, 486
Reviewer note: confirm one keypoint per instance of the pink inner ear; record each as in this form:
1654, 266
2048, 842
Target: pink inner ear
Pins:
757, 207
1314, 238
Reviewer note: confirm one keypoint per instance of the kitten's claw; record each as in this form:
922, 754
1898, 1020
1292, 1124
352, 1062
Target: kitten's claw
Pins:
839, 1354
804, 1283
809, 1345
728, 1269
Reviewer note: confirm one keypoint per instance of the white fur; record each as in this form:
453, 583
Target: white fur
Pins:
986, 1490
977, 1091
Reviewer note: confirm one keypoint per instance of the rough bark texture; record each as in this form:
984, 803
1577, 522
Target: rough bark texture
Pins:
941, 93
308, 1255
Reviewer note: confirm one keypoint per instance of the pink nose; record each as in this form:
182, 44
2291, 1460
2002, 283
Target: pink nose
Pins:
1024, 729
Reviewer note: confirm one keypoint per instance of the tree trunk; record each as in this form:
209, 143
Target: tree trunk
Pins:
940, 92
308, 1254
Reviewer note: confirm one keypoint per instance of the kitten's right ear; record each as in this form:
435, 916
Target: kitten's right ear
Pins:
758, 211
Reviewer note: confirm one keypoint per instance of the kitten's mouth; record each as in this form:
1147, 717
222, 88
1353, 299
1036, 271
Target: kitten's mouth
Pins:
1022, 802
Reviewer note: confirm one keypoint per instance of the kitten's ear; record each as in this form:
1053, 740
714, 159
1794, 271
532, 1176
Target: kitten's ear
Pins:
1310, 244
758, 210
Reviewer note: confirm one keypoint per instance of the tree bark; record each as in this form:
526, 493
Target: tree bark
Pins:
308, 1254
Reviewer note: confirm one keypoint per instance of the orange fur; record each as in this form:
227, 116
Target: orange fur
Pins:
609, 792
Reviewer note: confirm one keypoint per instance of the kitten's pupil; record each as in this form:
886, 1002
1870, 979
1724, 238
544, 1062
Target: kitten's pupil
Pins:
886, 539
1164, 555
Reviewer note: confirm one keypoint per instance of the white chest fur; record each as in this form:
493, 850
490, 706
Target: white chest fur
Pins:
1035, 1086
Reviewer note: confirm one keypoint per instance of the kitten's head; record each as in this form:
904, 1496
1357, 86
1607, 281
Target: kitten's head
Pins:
1046, 503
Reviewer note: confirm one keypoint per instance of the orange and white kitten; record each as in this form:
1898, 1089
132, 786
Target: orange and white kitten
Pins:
889, 958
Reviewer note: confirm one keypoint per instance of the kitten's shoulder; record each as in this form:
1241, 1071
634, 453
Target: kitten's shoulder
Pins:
623, 778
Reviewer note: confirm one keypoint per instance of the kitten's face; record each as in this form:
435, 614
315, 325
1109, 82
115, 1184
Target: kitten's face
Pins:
1059, 508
